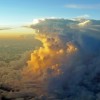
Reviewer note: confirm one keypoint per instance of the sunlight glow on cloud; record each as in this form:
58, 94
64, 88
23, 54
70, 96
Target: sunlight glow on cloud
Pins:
85, 23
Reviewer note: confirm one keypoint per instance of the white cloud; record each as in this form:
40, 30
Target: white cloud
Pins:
80, 6
36, 21
83, 16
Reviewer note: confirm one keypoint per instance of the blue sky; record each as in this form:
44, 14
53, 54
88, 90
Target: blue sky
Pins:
18, 12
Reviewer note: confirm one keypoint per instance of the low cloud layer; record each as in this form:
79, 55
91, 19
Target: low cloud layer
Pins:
5, 28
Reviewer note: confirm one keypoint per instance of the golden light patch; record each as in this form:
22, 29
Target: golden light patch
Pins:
49, 57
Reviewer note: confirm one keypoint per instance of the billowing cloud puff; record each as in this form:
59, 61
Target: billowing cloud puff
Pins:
76, 30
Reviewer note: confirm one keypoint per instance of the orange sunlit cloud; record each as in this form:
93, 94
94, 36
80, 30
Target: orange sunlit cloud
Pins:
50, 56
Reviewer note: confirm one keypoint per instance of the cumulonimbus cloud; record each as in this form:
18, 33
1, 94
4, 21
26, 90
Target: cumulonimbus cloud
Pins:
65, 67
83, 6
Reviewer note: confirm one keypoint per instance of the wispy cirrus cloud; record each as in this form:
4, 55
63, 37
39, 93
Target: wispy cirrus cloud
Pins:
83, 6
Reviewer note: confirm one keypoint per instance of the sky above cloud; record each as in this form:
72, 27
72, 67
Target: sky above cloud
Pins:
19, 12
